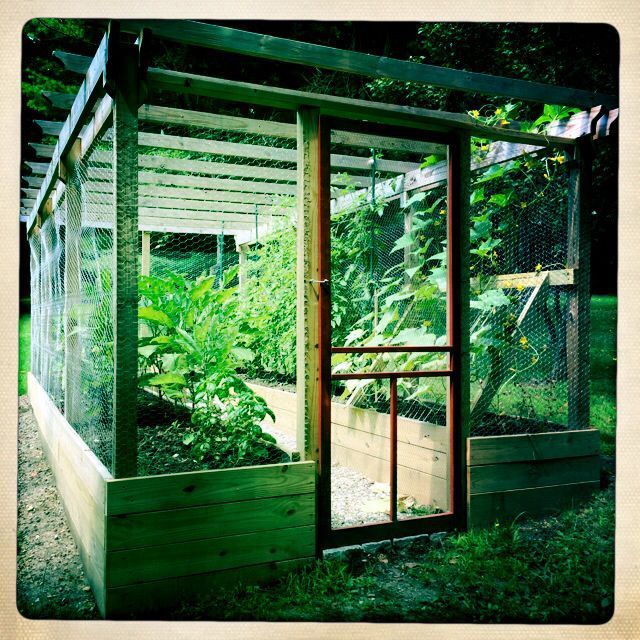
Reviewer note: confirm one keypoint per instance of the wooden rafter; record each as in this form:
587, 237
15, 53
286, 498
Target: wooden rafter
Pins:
284, 50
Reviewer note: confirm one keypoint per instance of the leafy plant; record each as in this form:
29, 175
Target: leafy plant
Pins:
191, 355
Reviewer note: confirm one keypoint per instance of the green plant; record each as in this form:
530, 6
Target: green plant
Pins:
191, 356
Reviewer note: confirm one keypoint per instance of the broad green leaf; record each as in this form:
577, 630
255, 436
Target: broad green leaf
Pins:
403, 241
477, 196
201, 288
155, 315
167, 378
148, 350
241, 353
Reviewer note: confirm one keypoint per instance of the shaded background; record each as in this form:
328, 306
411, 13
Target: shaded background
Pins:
583, 56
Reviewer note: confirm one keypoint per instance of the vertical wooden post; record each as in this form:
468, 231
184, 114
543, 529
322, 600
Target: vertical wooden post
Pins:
308, 277
125, 265
242, 267
145, 265
72, 285
578, 258
458, 320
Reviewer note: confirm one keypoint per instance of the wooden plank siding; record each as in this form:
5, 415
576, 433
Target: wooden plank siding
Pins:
80, 479
534, 474
360, 440
142, 540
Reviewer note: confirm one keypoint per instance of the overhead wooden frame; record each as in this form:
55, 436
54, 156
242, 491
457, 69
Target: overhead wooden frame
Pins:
285, 50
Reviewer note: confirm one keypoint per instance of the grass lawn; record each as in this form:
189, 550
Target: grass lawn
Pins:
24, 360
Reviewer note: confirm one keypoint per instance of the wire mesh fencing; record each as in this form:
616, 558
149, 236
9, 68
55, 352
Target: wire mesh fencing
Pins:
211, 200
519, 290
217, 249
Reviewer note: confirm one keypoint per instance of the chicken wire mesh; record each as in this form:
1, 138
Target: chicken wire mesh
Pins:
49, 304
217, 209
518, 291
210, 201
90, 298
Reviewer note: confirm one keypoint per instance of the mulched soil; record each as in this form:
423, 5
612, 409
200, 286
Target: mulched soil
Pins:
51, 582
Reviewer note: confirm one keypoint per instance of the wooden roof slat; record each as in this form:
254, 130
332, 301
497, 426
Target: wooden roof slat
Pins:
349, 108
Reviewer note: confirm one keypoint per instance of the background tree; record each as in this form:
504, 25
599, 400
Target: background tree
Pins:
584, 56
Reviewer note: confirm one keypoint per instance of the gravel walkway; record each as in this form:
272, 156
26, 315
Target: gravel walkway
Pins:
51, 582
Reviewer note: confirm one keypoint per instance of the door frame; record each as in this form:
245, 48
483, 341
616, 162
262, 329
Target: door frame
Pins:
458, 344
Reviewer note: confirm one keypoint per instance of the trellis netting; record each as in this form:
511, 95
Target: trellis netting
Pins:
213, 202
217, 231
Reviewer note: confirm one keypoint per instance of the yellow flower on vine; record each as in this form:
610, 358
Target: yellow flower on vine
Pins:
498, 111
534, 359
538, 267
523, 205
475, 113
519, 287
524, 342
443, 212
503, 122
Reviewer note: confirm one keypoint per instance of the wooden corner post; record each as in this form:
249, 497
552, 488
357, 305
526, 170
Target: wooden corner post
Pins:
308, 278
124, 85
458, 321
72, 284
578, 258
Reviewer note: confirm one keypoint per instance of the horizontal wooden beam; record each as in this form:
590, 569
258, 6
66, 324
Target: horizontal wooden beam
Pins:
292, 51
81, 107
259, 152
340, 107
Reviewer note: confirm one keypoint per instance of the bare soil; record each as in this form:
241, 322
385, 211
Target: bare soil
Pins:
51, 582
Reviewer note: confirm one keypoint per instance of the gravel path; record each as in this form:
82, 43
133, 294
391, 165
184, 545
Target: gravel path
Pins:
51, 582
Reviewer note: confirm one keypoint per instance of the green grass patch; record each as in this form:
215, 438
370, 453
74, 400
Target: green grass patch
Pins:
555, 570
604, 313
24, 352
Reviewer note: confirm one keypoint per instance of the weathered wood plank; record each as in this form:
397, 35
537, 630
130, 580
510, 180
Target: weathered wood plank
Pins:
506, 506
531, 447
81, 107
308, 277
367, 421
428, 461
578, 316
159, 595
125, 262
348, 108
556, 278
182, 490
489, 478
80, 479
425, 488
199, 556
284, 50
211, 521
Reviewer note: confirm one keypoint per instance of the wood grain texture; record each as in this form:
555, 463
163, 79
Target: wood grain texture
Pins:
308, 264
160, 595
293, 51
153, 528
489, 478
80, 479
505, 506
532, 447
199, 556
425, 488
181, 490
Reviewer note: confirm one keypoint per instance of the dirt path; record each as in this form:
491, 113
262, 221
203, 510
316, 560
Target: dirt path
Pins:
51, 581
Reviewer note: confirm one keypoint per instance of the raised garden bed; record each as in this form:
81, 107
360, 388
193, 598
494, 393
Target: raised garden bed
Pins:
142, 540
508, 475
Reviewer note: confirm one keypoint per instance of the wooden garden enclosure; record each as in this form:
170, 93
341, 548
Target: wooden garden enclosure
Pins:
411, 358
